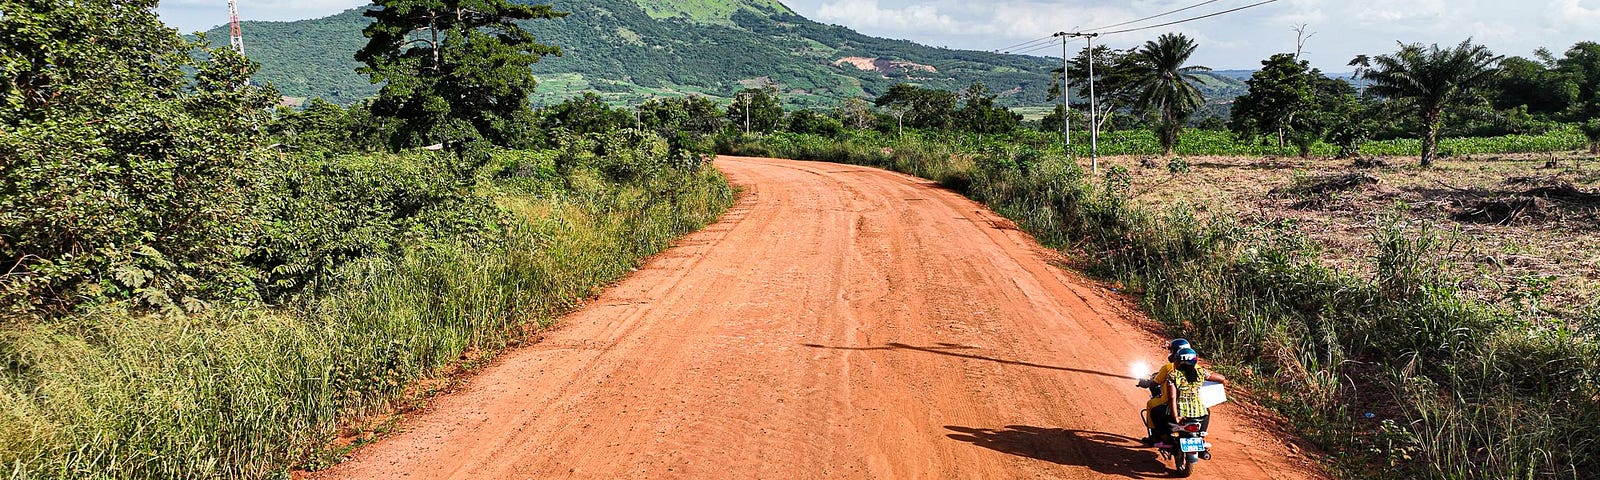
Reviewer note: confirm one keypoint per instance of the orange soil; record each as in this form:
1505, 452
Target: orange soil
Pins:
839, 322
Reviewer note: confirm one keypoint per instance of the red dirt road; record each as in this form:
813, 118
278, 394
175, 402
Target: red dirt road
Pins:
839, 322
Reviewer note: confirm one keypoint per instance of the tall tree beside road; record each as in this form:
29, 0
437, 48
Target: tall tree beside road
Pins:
453, 71
1429, 81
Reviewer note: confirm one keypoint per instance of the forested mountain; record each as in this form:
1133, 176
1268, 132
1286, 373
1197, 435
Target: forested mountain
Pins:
630, 50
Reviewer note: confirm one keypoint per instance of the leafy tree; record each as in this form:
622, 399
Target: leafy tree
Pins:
1581, 65
695, 114
1344, 118
811, 121
585, 114
126, 170
1427, 82
980, 114
453, 71
1164, 86
1113, 83
1051, 122
1535, 85
1279, 92
319, 127
856, 113
921, 107
756, 109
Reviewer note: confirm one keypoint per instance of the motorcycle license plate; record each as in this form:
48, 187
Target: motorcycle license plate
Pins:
1192, 445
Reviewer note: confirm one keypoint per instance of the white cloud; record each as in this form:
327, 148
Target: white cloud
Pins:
868, 14
1572, 13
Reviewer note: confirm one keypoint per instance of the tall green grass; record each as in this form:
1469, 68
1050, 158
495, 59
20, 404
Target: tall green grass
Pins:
1455, 388
252, 393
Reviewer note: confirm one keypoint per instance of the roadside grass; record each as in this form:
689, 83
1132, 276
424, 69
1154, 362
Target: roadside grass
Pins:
252, 393
1392, 367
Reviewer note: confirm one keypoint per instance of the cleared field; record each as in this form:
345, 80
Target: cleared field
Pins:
1518, 229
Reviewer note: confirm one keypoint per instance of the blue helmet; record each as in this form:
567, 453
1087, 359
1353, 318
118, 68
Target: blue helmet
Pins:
1185, 356
1174, 346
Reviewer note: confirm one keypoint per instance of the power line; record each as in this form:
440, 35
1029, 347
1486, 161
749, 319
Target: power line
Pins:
1030, 47
1159, 15
1187, 20
1020, 45
1035, 49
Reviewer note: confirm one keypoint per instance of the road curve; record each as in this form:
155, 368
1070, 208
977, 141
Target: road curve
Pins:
839, 322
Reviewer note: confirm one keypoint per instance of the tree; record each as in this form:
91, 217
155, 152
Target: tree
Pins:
921, 107
980, 114
1427, 82
756, 110
453, 71
320, 126
1113, 82
694, 114
587, 113
1581, 65
856, 113
813, 122
125, 168
1164, 86
1279, 92
1544, 90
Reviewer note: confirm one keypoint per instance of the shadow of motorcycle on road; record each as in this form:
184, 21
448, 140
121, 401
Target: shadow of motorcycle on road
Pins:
1104, 453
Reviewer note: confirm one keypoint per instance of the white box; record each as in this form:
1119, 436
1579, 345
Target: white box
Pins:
1212, 394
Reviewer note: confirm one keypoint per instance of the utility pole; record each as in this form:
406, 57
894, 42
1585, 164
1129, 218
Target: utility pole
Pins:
746, 100
235, 37
1094, 110
1066, 106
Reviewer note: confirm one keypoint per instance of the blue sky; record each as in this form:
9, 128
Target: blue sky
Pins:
1343, 28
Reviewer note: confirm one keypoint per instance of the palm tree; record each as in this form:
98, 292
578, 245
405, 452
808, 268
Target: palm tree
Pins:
1162, 84
1426, 82
1362, 63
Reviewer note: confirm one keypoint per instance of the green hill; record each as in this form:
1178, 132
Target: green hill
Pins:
630, 50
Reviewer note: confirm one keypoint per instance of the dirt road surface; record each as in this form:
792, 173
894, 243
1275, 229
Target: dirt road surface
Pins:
839, 322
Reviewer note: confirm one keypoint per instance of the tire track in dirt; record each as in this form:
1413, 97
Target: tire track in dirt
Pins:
839, 322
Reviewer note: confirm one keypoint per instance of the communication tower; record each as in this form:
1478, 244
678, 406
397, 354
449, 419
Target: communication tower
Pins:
234, 35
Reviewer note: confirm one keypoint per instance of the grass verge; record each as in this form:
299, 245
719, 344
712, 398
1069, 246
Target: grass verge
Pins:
253, 392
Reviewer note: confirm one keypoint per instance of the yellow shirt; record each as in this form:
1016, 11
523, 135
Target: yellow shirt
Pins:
1160, 379
1188, 393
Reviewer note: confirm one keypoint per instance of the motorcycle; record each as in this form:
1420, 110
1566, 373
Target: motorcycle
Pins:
1190, 448
1187, 444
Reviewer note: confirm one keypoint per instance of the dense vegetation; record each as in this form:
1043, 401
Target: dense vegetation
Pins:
198, 286
1397, 372
628, 54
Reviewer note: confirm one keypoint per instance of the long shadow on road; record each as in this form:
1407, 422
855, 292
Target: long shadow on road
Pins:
950, 349
1104, 453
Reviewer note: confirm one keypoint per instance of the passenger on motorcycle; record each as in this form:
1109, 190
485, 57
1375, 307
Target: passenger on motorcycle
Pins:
1157, 397
1182, 388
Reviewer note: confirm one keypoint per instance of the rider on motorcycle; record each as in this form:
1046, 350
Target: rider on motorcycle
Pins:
1157, 397
1182, 388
